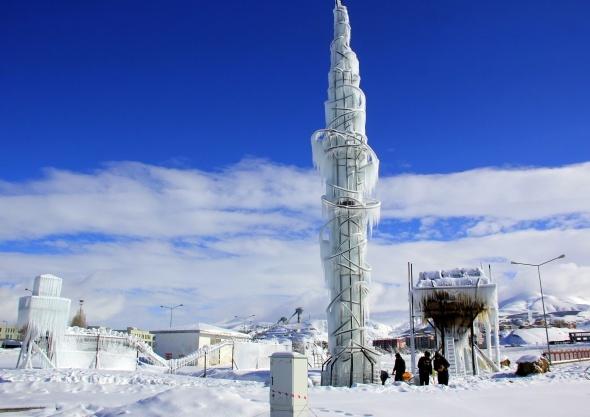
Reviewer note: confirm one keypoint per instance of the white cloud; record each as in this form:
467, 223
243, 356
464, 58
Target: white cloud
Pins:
519, 194
243, 240
133, 199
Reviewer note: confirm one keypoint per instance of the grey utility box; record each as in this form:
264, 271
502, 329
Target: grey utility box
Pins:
288, 385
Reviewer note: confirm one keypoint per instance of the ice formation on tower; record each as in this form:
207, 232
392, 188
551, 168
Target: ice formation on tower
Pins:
43, 315
49, 342
350, 168
456, 302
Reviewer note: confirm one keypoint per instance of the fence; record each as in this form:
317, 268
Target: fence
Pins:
569, 355
97, 351
247, 355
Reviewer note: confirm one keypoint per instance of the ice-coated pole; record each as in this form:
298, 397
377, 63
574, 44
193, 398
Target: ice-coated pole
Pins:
350, 169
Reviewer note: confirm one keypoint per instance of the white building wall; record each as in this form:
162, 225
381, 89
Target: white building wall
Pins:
179, 344
249, 355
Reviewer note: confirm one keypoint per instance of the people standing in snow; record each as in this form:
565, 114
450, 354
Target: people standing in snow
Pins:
425, 368
399, 368
441, 366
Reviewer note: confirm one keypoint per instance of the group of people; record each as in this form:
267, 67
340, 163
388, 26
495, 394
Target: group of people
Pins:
425, 367
440, 365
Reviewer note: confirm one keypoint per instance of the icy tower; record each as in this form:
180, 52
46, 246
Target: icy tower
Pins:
350, 168
43, 315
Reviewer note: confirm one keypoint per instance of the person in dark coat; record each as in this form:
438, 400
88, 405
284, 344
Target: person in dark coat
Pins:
425, 368
399, 368
441, 366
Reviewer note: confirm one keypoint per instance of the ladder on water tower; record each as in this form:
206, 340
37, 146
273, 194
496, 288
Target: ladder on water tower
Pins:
451, 355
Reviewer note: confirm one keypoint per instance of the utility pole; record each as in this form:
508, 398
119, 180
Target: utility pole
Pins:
412, 318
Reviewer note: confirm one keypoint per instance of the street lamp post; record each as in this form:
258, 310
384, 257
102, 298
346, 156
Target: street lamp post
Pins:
538, 266
172, 308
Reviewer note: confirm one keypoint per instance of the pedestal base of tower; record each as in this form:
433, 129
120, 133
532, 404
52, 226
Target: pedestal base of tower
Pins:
351, 366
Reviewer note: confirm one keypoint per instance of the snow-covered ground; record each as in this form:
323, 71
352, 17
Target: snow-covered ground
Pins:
80, 393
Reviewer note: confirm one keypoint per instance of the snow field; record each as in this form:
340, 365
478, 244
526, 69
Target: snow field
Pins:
101, 393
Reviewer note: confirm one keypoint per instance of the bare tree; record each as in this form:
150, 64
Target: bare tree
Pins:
79, 320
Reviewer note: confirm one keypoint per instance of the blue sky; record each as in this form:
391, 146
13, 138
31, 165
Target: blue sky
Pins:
451, 85
150, 150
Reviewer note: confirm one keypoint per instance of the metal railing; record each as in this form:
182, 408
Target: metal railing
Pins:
569, 355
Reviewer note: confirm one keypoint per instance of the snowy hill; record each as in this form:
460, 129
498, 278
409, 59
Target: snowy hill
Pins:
375, 330
522, 303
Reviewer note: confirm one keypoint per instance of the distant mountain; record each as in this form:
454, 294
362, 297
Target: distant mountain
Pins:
375, 330
523, 303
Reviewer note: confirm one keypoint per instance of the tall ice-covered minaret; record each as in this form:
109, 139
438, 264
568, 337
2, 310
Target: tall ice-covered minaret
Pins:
350, 168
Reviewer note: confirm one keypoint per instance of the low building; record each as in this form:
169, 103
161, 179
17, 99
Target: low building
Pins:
9, 333
423, 341
537, 336
390, 344
144, 335
583, 337
181, 341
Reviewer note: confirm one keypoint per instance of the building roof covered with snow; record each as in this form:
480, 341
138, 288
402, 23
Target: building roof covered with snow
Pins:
203, 328
535, 336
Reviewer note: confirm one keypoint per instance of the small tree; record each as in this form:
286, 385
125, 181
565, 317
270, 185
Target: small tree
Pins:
79, 319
